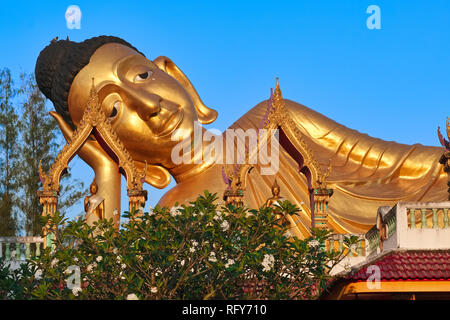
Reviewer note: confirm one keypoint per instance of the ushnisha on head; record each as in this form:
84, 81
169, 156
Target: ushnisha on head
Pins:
145, 100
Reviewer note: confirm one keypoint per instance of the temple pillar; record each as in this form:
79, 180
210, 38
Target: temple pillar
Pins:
49, 202
234, 197
136, 199
321, 198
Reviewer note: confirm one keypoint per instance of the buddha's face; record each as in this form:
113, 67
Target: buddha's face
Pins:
145, 104
93, 189
276, 191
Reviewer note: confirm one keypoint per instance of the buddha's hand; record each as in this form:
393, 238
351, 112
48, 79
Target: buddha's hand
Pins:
91, 152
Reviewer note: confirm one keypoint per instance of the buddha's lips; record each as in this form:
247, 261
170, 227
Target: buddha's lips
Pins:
169, 125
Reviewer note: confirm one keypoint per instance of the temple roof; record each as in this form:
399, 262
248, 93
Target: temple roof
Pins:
407, 265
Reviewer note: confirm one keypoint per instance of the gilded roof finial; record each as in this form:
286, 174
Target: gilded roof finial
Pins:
277, 94
93, 96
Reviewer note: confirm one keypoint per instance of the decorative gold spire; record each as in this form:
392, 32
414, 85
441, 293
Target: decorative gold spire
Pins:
448, 129
277, 94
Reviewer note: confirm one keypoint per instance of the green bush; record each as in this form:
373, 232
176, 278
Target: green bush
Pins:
196, 251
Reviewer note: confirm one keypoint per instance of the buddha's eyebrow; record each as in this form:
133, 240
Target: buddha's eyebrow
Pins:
123, 63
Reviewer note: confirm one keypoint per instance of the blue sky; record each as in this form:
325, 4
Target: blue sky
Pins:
391, 83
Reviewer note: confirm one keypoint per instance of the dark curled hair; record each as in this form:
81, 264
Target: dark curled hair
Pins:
59, 63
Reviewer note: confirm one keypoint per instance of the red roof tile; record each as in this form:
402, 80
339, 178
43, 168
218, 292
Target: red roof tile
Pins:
408, 265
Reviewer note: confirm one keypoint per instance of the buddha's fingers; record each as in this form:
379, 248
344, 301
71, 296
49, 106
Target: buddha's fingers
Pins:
91, 152
63, 125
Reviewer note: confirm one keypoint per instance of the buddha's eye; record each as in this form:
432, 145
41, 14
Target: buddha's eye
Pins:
115, 110
143, 76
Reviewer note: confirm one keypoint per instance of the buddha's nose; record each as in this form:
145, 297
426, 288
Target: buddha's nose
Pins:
145, 103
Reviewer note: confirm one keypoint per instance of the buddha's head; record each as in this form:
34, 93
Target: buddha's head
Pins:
145, 100
275, 189
93, 187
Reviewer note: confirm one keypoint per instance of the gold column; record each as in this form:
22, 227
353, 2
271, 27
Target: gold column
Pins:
137, 200
49, 202
321, 198
234, 197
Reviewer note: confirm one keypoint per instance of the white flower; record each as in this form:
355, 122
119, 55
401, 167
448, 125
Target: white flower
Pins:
313, 243
123, 266
229, 263
225, 225
75, 291
150, 211
132, 296
67, 271
192, 249
212, 257
194, 243
99, 258
154, 290
218, 216
54, 261
118, 259
115, 251
268, 262
182, 262
266, 267
75, 259
91, 266
175, 211
121, 275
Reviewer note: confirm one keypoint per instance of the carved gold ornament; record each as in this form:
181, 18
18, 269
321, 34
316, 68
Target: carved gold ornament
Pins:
94, 121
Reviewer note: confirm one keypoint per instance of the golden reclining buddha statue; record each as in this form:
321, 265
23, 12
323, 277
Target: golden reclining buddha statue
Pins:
146, 102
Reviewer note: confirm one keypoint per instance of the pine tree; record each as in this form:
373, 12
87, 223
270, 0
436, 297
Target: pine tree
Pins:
9, 153
41, 140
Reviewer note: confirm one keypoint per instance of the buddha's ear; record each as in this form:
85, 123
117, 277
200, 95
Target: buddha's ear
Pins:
205, 115
156, 176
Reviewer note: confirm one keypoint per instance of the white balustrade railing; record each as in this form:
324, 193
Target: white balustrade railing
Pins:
413, 225
421, 225
354, 255
336, 243
20, 248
